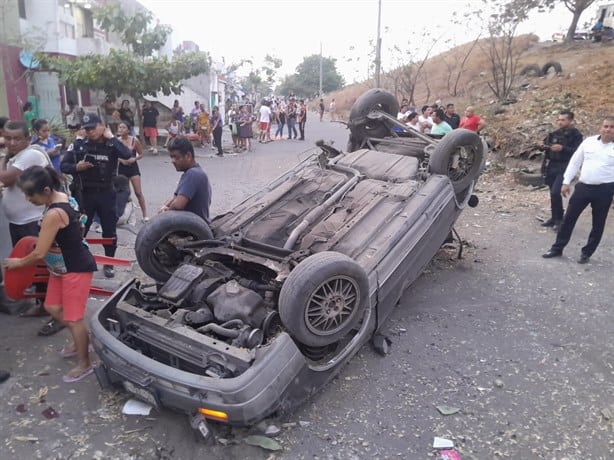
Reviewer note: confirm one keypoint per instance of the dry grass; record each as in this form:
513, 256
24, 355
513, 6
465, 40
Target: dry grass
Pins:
585, 86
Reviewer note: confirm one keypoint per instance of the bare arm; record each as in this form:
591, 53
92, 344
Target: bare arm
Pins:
52, 222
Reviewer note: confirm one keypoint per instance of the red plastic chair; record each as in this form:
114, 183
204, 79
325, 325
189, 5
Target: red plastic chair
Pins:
17, 281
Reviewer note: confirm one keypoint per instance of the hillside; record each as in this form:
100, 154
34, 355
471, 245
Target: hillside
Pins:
584, 86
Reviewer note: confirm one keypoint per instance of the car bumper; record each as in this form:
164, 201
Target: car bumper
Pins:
244, 399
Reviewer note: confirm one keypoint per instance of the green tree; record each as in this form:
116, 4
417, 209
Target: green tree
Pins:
135, 71
306, 81
259, 80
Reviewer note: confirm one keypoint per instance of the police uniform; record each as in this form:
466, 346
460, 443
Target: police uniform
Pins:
95, 185
554, 167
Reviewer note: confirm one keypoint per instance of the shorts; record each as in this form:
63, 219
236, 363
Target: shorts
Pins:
71, 291
264, 126
150, 132
129, 171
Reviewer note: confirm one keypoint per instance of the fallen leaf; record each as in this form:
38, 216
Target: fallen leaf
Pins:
262, 441
447, 410
26, 438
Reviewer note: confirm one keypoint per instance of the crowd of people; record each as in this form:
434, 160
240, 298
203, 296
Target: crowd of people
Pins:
437, 120
55, 193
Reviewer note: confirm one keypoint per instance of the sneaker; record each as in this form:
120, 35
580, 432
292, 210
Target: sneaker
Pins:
109, 271
96, 227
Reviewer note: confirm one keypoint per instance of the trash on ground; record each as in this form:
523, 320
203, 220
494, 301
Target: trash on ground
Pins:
262, 441
136, 407
449, 455
442, 443
447, 410
26, 438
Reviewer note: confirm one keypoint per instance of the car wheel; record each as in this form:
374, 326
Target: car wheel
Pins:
360, 125
552, 65
323, 298
156, 243
459, 155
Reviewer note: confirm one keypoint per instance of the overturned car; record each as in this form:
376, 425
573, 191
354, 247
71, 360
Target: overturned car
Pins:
252, 314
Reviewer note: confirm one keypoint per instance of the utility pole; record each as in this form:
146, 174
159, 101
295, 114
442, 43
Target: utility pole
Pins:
378, 45
320, 91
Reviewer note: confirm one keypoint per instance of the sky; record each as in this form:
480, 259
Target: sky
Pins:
233, 30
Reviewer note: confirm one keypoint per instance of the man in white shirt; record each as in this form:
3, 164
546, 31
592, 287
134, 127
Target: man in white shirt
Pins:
265, 120
594, 159
425, 120
23, 216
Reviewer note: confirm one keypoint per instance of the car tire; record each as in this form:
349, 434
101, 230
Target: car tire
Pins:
460, 156
155, 252
332, 283
552, 65
361, 126
531, 70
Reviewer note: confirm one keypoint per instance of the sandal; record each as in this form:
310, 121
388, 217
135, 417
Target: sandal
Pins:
34, 311
50, 328
70, 378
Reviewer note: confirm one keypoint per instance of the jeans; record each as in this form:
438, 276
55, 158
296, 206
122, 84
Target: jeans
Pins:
280, 129
292, 128
301, 127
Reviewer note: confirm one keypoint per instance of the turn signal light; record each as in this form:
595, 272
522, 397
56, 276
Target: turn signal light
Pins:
214, 414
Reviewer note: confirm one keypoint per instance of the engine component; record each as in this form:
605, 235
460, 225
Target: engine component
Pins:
176, 289
232, 301
201, 316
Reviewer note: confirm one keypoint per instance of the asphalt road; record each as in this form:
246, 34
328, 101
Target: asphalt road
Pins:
521, 346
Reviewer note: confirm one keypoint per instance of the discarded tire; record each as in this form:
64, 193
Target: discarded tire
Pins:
323, 298
156, 245
532, 70
552, 65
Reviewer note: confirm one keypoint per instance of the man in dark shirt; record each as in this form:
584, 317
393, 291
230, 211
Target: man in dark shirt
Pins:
194, 190
93, 163
150, 125
558, 148
451, 117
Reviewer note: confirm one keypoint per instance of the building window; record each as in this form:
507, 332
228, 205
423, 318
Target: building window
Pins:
22, 8
67, 30
87, 27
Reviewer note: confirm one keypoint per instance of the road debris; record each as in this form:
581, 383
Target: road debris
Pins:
262, 441
442, 443
136, 407
447, 410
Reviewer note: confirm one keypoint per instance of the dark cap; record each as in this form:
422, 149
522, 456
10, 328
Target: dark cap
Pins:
90, 120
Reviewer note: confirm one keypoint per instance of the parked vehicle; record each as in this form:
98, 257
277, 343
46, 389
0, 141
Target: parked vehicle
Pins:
254, 313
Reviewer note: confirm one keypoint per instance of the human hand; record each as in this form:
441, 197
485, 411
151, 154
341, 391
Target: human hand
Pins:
83, 165
11, 264
163, 209
108, 134
565, 189
556, 147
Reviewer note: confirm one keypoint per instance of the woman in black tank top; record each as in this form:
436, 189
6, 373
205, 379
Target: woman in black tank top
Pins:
70, 263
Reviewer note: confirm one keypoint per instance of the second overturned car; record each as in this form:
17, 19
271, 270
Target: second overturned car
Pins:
254, 313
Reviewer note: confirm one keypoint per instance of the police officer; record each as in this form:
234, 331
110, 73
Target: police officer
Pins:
558, 148
93, 163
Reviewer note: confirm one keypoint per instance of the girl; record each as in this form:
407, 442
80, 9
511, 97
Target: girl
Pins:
202, 122
245, 128
71, 270
130, 168
43, 139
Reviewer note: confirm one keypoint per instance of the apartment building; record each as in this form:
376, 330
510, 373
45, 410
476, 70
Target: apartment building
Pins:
61, 28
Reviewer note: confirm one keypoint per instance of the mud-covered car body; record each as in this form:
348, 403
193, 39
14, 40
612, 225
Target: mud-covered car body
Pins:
254, 314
